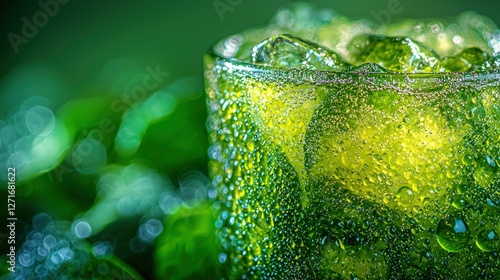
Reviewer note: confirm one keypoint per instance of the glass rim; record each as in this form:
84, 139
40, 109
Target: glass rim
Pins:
241, 64
403, 83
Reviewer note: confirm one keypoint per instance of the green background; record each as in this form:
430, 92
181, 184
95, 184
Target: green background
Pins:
87, 56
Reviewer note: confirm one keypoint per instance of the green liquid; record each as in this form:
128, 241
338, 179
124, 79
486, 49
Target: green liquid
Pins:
353, 174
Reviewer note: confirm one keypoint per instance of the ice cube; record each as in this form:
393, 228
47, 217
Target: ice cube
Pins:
340, 32
450, 36
469, 60
302, 19
289, 51
398, 54
324, 26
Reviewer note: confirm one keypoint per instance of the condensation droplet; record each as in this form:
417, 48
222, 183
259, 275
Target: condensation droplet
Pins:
222, 257
487, 240
452, 233
459, 202
330, 248
405, 196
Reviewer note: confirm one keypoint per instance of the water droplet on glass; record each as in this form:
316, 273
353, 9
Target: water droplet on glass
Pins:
490, 161
330, 248
487, 240
452, 232
459, 202
222, 257
405, 196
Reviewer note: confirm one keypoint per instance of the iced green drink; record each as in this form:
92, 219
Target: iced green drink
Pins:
343, 149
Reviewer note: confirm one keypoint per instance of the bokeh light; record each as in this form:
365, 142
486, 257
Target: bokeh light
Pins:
33, 140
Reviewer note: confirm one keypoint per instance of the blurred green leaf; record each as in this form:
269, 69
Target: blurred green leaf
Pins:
188, 247
119, 269
181, 140
88, 113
